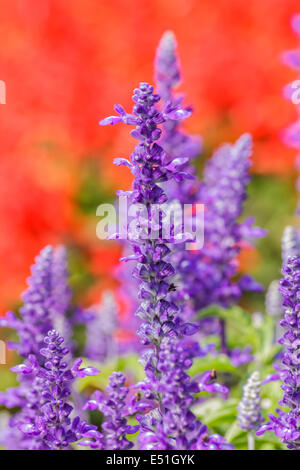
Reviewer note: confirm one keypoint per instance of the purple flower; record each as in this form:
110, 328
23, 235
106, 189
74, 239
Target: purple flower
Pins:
205, 277
100, 341
37, 310
291, 135
223, 193
44, 421
150, 166
62, 296
172, 425
292, 58
286, 424
180, 149
167, 70
209, 276
240, 356
113, 406
174, 141
166, 385
290, 244
46, 303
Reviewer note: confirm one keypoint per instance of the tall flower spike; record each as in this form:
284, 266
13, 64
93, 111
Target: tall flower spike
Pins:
46, 302
162, 327
38, 306
150, 166
223, 193
216, 286
62, 296
290, 244
36, 320
249, 410
45, 420
173, 425
167, 68
100, 340
209, 276
291, 135
274, 306
174, 141
274, 300
286, 424
113, 406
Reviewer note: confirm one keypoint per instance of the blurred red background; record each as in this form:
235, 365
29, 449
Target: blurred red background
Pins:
66, 62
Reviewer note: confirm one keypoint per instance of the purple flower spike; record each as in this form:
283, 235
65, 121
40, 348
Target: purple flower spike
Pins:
291, 135
38, 303
175, 142
113, 407
100, 334
286, 424
45, 423
47, 301
167, 389
290, 244
173, 425
167, 70
296, 23
210, 276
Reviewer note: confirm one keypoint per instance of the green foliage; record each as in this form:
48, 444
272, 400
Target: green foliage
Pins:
128, 364
241, 329
90, 193
273, 200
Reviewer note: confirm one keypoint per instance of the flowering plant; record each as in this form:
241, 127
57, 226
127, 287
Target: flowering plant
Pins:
198, 373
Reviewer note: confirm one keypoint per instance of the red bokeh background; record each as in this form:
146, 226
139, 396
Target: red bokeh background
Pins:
66, 62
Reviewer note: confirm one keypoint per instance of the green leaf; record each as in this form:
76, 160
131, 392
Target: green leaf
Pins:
128, 364
215, 412
233, 432
220, 363
240, 331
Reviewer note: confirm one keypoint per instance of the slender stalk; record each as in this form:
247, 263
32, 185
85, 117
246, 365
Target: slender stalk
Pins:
251, 440
224, 347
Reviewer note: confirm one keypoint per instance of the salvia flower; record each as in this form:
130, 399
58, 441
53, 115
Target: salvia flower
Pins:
241, 356
46, 303
114, 408
286, 425
290, 244
62, 296
274, 300
274, 308
44, 421
167, 68
208, 276
173, 425
162, 327
174, 141
291, 135
36, 312
249, 409
100, 341
150, 166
